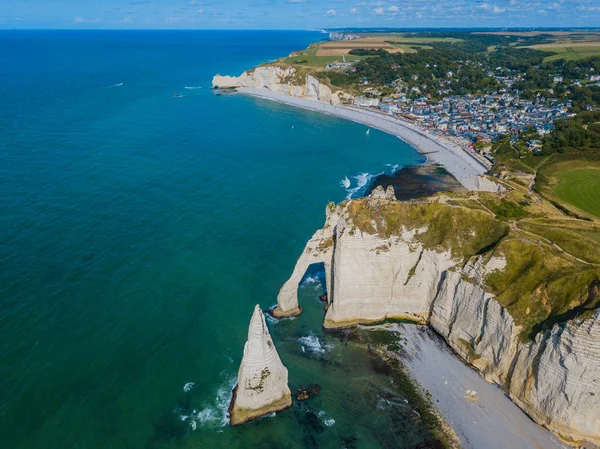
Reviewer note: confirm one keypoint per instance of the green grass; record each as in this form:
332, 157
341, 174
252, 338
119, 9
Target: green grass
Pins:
571, 53
318, 62
505, 210
410, 48
584, 247
464, 232
540, 286
425, 40
580, 188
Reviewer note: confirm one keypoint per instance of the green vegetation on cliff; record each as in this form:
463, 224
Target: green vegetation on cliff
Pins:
540, 286
462, 231
552, 271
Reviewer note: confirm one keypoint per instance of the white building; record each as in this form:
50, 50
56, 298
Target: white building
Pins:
367, 102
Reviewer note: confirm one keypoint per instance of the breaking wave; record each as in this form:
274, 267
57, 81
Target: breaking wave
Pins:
188, 387
328, 421
312, 345
114, 85
345, 182
311, 279
192, 87
213, 414
361, 185
356, 186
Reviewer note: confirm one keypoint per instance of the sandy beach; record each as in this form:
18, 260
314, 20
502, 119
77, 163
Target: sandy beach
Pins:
487, 420
462, 165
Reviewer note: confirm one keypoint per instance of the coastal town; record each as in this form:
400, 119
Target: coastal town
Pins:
473, 121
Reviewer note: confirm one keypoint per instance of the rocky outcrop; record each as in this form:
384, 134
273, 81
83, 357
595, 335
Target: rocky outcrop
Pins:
262, 386
373, 273
286, 81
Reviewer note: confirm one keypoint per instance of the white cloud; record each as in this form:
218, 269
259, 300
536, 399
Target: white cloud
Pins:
331, 12
394, 8
378, 11
497, 10
354, 11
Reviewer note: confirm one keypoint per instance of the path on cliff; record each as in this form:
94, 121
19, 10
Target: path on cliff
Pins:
487, 420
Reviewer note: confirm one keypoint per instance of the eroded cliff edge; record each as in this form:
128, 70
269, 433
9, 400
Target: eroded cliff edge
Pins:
285, 80
521, 312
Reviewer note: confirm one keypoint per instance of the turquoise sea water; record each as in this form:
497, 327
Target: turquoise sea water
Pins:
137, 231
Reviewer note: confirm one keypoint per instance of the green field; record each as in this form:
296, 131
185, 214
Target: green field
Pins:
319, 62
309, 58
409, 48
581, 188
572, 53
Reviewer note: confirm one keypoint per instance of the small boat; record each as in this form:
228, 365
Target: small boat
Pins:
368, 131
176, 95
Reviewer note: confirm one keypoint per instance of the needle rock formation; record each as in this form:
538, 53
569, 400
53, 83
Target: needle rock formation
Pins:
262, 386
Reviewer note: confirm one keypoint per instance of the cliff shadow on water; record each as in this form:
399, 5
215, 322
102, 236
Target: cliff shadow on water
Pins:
416, 182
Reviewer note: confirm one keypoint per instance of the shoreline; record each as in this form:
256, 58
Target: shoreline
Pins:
487, 420
464, 167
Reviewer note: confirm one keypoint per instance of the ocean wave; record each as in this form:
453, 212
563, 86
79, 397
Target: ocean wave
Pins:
188, 387
363, 181
345, 183
213, 414
192, 87
114, 85
312, 345
393, 168
311, 279
328, 421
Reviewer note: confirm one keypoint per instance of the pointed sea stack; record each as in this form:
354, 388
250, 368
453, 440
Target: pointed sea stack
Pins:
262, 386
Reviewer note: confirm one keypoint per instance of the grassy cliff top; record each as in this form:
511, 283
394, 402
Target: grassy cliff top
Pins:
465, 232
552, 271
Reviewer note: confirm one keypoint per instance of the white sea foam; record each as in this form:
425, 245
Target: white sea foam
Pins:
114, 85
192, 87
311, 279
312, 345
328, 421
188, 387
213, 414
393, 168
345, 182
362, 181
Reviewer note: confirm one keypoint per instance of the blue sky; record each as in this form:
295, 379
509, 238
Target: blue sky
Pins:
296, 14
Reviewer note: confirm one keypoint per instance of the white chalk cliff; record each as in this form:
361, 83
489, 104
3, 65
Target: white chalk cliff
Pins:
285, 81
372, 276
262, 386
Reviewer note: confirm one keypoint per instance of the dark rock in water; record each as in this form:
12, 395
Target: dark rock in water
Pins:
411, 183
350, 442
302, 395
323, 297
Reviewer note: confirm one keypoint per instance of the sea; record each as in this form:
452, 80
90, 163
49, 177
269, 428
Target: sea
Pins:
142, 216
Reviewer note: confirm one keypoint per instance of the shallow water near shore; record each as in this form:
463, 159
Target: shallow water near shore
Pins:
139, 229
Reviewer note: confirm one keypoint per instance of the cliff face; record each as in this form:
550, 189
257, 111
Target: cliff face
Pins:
262, 386
379, 269
283, 80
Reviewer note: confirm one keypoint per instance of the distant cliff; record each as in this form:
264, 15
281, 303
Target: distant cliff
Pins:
285, 80
444, 266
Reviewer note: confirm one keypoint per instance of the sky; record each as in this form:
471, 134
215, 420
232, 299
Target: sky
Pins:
296, 14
